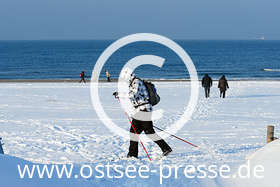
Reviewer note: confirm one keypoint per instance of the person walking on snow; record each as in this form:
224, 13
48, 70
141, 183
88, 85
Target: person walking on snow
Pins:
108, 76
82, 76
223, 86
139, 97
207, 84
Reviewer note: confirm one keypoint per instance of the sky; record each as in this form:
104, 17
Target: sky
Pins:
112, 19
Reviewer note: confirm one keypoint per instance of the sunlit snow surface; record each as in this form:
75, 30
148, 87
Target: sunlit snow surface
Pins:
56, 123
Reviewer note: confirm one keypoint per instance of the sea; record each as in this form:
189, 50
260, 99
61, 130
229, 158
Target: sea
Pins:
65, 59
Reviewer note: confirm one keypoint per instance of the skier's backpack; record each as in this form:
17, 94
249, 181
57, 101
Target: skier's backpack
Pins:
152, 91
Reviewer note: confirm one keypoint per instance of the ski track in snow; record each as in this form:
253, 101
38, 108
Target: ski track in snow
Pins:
55, 123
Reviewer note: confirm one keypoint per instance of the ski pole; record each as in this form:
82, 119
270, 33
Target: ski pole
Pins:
177, 137
136, 133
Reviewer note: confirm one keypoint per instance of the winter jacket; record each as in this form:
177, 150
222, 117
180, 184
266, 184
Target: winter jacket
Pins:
207, 82
107, 74
223, 84
139, 95
82, 75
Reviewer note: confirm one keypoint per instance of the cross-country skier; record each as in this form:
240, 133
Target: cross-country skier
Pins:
82, 76
223, 85
139, 97
207, 84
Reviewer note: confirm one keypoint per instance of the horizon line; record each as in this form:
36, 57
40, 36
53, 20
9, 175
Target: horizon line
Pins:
112, 39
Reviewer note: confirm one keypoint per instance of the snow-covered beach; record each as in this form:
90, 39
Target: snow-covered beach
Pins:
55, 123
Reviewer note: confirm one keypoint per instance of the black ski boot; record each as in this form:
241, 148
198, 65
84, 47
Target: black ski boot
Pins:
167, 152
131, 156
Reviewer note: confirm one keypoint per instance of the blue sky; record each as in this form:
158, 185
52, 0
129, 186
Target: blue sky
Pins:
111, 19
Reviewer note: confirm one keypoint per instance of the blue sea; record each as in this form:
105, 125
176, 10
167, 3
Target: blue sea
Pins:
66, 59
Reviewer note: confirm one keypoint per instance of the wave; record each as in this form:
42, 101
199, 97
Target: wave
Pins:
273, 70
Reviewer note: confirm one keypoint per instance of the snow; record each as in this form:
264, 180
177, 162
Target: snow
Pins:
9, 175
268, 158
55, 123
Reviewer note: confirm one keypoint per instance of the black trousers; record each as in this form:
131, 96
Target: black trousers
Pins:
207, 92
222, 93
83, 80
147, 127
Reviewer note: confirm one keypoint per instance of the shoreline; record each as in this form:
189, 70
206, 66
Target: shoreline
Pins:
115, 80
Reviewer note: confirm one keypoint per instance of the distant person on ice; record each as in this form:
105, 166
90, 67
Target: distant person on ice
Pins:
207, 84
139, 97
108, 76
223, 86
82, 76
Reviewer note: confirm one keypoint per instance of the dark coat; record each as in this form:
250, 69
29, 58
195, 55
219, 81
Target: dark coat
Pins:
223, 84
82, 75
207, 81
